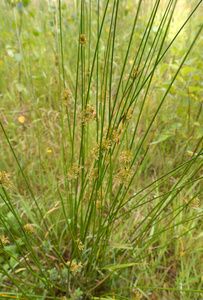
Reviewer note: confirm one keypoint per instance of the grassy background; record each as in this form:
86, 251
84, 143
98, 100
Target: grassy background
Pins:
141, 234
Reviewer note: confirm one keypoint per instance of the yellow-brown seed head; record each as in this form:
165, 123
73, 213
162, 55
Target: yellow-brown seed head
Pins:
83, 40
4, 240
5, 180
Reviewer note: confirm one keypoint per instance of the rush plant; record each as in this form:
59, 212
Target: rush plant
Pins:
100, 171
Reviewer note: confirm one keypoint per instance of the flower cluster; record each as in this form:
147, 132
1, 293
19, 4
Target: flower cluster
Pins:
29, 228
66, 97
106, 144
5, 180
104, 96
82, 39
93, 174
129, 114
73, 172
125, 157
134, 72
99, 196
124, 176
138, 295
79, 244
194, 203
74, 267
113, 136
88, 71
107, 159
4, 240
88, 114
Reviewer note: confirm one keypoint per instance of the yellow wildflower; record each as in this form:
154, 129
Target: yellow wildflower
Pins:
21, 119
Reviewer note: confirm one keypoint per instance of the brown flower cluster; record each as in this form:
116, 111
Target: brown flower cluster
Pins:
106, 144
94, 174
5, 180
194, 203
74, 171
88, 114
83, 40
66, 97
125, 157
4, 240
74, 267
124, 176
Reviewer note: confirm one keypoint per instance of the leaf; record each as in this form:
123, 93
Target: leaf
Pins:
124, 246
20, 87
180, 78
196, 77
172, 89
10, 52
162, 138
186, 70
194, 89
116, 267
18, 57
36, 31
163, 68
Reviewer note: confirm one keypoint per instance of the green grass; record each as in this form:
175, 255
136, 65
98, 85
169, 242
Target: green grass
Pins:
106, 200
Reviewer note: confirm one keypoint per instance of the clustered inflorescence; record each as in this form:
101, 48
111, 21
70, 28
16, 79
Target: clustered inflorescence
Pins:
83, 40
194, 203
29, 228
74, 171
104, 96
66, 97
138, 295
124, 176
74, 267
4, 240
125, 157
94, 174
5, 180
79, 244
106, 144
88, 114
134, 73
